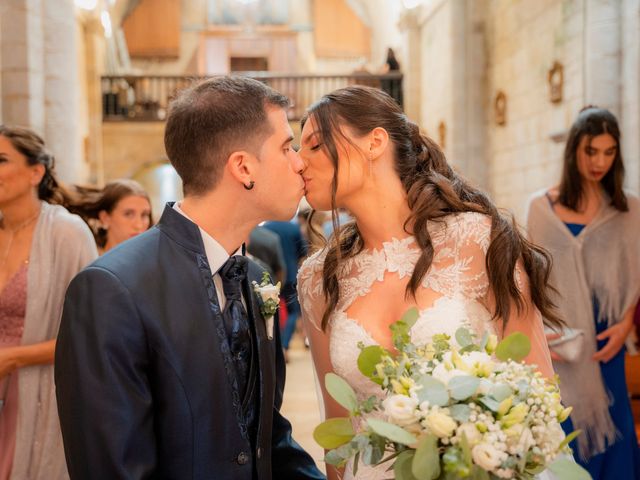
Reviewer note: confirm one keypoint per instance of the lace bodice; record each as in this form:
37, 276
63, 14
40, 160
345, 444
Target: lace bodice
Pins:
453, 293
454, 289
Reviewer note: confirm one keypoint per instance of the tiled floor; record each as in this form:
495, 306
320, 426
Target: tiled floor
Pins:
300, 402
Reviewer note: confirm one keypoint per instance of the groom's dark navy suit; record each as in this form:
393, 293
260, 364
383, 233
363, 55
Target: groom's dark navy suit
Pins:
146, 384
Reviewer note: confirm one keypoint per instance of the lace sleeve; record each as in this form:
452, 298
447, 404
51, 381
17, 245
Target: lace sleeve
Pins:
312, 302
468, 236
310, 293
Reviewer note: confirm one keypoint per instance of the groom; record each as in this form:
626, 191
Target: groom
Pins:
165, 367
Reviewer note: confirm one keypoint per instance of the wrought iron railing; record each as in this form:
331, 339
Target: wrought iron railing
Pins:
146, 98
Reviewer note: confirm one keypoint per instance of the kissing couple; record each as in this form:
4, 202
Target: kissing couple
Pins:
168, 366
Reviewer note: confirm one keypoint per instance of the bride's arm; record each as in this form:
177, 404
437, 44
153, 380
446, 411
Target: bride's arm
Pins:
529, 322
471, 248
312, 306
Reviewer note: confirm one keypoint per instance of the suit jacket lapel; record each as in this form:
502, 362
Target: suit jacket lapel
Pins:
223, 343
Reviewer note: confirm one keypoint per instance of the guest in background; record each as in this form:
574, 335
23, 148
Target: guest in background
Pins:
42, 247
392, 86
119, 211
265, 246
294, 249
590, 227
311, 227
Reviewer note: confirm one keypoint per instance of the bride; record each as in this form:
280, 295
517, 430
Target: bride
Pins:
422, 237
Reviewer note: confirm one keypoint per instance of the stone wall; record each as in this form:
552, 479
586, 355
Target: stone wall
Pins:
470, 51
39, 77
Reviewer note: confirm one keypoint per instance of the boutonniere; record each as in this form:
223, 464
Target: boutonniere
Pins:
269, 295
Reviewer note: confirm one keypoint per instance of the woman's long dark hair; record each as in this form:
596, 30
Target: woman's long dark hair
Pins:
87, 202
32, 146
434, 191
591, 122
106, 199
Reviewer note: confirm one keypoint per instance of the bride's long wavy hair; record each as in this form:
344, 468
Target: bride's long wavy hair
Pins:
434, 191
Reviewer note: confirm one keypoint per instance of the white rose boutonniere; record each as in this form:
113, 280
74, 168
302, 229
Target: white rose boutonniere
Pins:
269, 295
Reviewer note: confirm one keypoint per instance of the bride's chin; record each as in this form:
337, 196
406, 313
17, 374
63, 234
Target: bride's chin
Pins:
317, 204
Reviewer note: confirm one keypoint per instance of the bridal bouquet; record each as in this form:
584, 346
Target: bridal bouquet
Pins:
451, 410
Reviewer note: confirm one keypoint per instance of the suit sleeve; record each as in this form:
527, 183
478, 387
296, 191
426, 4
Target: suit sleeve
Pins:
289, 461
103, 393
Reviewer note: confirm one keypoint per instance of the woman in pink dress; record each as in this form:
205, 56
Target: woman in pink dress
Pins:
42, 247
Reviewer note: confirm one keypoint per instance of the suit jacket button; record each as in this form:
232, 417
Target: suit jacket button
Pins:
242, 459
259, 453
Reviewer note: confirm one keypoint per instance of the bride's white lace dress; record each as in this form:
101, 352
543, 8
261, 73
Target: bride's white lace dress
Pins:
454, 292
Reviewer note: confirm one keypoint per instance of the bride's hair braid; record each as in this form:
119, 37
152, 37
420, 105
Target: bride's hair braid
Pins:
434, 190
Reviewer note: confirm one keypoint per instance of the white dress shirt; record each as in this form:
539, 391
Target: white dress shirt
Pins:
216, 256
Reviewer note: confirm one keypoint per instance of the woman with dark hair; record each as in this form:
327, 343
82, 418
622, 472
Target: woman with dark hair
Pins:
422, 237
42, 247
119, 211
590, 227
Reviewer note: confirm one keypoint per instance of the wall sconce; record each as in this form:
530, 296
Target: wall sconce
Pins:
500, 108
555, 78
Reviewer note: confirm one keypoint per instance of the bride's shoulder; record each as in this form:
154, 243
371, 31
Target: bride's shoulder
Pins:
462, 227
312, 266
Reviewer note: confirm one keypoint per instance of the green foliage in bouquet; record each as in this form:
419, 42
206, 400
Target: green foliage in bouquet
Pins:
452, 409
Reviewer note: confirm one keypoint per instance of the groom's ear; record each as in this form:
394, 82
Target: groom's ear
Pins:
242, 166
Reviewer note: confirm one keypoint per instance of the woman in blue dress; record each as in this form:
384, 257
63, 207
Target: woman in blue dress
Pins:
590, 225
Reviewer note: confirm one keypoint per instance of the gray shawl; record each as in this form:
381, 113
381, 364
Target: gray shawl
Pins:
602, 262
62, 245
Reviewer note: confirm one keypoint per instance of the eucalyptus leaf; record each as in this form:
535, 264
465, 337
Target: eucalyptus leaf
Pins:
368, 359
460, 412
567, 469
392, 432
463, 386
333, 458
484, 341
514, 347
490, 403
410, 317
341, 391
402, 466
426, 461
432, 391
333, 433
464, 337
500, 392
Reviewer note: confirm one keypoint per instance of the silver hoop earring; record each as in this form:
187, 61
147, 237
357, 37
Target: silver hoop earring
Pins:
250, 186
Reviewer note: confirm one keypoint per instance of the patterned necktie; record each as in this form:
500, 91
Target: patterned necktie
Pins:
236, 322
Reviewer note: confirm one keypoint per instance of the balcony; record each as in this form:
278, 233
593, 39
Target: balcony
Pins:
146, 98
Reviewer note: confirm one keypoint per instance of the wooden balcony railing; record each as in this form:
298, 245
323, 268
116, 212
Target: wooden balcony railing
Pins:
146, 98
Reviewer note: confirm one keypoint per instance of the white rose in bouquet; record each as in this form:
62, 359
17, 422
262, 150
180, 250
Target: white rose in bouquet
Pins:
401, 409
440, 424
487, 456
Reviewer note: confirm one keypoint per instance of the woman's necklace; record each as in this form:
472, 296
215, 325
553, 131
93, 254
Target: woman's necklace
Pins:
12, 234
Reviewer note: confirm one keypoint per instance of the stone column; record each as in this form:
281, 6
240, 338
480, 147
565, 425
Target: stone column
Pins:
630, 101
22, 56
602, 54
93, 37
468, 129
62, 89
409, 25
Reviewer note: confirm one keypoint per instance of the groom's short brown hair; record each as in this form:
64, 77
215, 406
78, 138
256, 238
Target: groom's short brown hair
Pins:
210, 120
